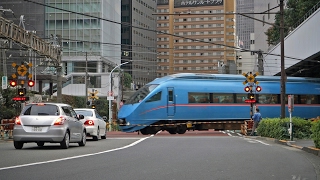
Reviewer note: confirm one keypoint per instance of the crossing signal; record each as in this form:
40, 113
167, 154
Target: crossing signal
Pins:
30, 83
247, 89
13, 83
250, 96
258, 88
21, 91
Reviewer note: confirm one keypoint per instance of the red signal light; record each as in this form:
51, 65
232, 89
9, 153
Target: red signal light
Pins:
258, 88
13, 83
247, 89
30, 83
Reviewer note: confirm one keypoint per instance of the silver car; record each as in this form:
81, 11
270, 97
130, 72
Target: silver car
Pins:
48, 122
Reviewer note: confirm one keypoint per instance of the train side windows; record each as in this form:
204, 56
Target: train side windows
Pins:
155, 97
191, 99
309, 99
198, 97
170, 93
241, 98
223, 98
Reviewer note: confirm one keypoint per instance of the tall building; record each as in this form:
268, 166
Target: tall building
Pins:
196, 36
138, 39
245, 25
251, 33
90, 35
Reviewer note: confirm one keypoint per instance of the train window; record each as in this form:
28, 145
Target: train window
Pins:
222, 98
155, 97
141, 94
309, 99
240, 98
170, 93
268, 99
198, 98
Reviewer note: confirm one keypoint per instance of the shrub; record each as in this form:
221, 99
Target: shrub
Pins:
278, 128
316, 133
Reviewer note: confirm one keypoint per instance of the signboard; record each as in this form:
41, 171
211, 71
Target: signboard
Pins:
110, 98
4, 82
193, 3
290, 103
20, 98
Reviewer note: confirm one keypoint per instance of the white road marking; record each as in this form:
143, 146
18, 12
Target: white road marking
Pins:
75, 157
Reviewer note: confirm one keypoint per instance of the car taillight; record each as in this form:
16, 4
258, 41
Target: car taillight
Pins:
89, 123
59, 121
17, 121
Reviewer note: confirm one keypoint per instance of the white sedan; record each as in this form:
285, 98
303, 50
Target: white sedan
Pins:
94, 123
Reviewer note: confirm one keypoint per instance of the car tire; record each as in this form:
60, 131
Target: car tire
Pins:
96, 138
64, 144
40, 144
104, 136
83, 139
18, 144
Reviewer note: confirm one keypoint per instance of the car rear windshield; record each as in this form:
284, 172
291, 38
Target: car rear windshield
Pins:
41, 110
84, 113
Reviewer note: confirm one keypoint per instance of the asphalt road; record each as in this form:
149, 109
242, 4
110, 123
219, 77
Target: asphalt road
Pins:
194, 155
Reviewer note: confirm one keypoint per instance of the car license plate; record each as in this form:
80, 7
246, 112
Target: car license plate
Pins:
37, 129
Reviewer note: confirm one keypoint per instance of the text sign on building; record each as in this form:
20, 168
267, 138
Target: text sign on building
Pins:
193, 3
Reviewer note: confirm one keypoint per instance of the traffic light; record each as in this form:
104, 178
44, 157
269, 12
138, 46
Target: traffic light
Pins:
13, 83
21, 91
258, 88
250, 96
93, 106
30, 83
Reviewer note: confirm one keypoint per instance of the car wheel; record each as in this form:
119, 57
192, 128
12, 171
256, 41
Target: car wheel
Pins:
104, 135
18, 144
65, 142
40, 144
83, 140
96, 138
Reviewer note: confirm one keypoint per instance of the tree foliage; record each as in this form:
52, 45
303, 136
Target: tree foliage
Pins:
295, 10
127, 80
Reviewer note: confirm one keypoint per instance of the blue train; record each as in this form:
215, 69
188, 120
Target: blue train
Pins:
187, 101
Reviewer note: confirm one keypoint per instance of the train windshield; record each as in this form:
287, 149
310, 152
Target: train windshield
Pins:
141, 94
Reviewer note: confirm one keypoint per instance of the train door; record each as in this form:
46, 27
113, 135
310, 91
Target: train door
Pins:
171, 108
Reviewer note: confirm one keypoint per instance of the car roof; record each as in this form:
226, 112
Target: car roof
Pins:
84, 109
49, 103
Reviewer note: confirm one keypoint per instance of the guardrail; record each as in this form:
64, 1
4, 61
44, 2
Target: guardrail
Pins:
6, 128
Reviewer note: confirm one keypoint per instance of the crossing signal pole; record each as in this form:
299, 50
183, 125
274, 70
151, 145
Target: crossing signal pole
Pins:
252, 88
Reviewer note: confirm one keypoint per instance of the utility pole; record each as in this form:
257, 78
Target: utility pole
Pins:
171, 21
260, 63
85, 82
110, 93
283, 73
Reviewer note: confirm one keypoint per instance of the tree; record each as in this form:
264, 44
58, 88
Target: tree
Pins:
295, 11
127, 80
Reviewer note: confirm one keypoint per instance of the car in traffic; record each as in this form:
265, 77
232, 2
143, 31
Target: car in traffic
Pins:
94, 123
49, 123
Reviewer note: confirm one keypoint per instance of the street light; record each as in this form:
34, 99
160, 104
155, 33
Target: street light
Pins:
110, 90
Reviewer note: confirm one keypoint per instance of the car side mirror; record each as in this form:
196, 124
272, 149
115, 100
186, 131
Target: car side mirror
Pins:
80, 116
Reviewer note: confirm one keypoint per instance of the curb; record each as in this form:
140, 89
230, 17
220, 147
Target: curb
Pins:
311, 149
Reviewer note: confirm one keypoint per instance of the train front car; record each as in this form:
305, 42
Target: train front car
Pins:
131, 116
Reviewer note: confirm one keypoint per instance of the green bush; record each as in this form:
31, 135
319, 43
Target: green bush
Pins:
278, 128
316, 133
